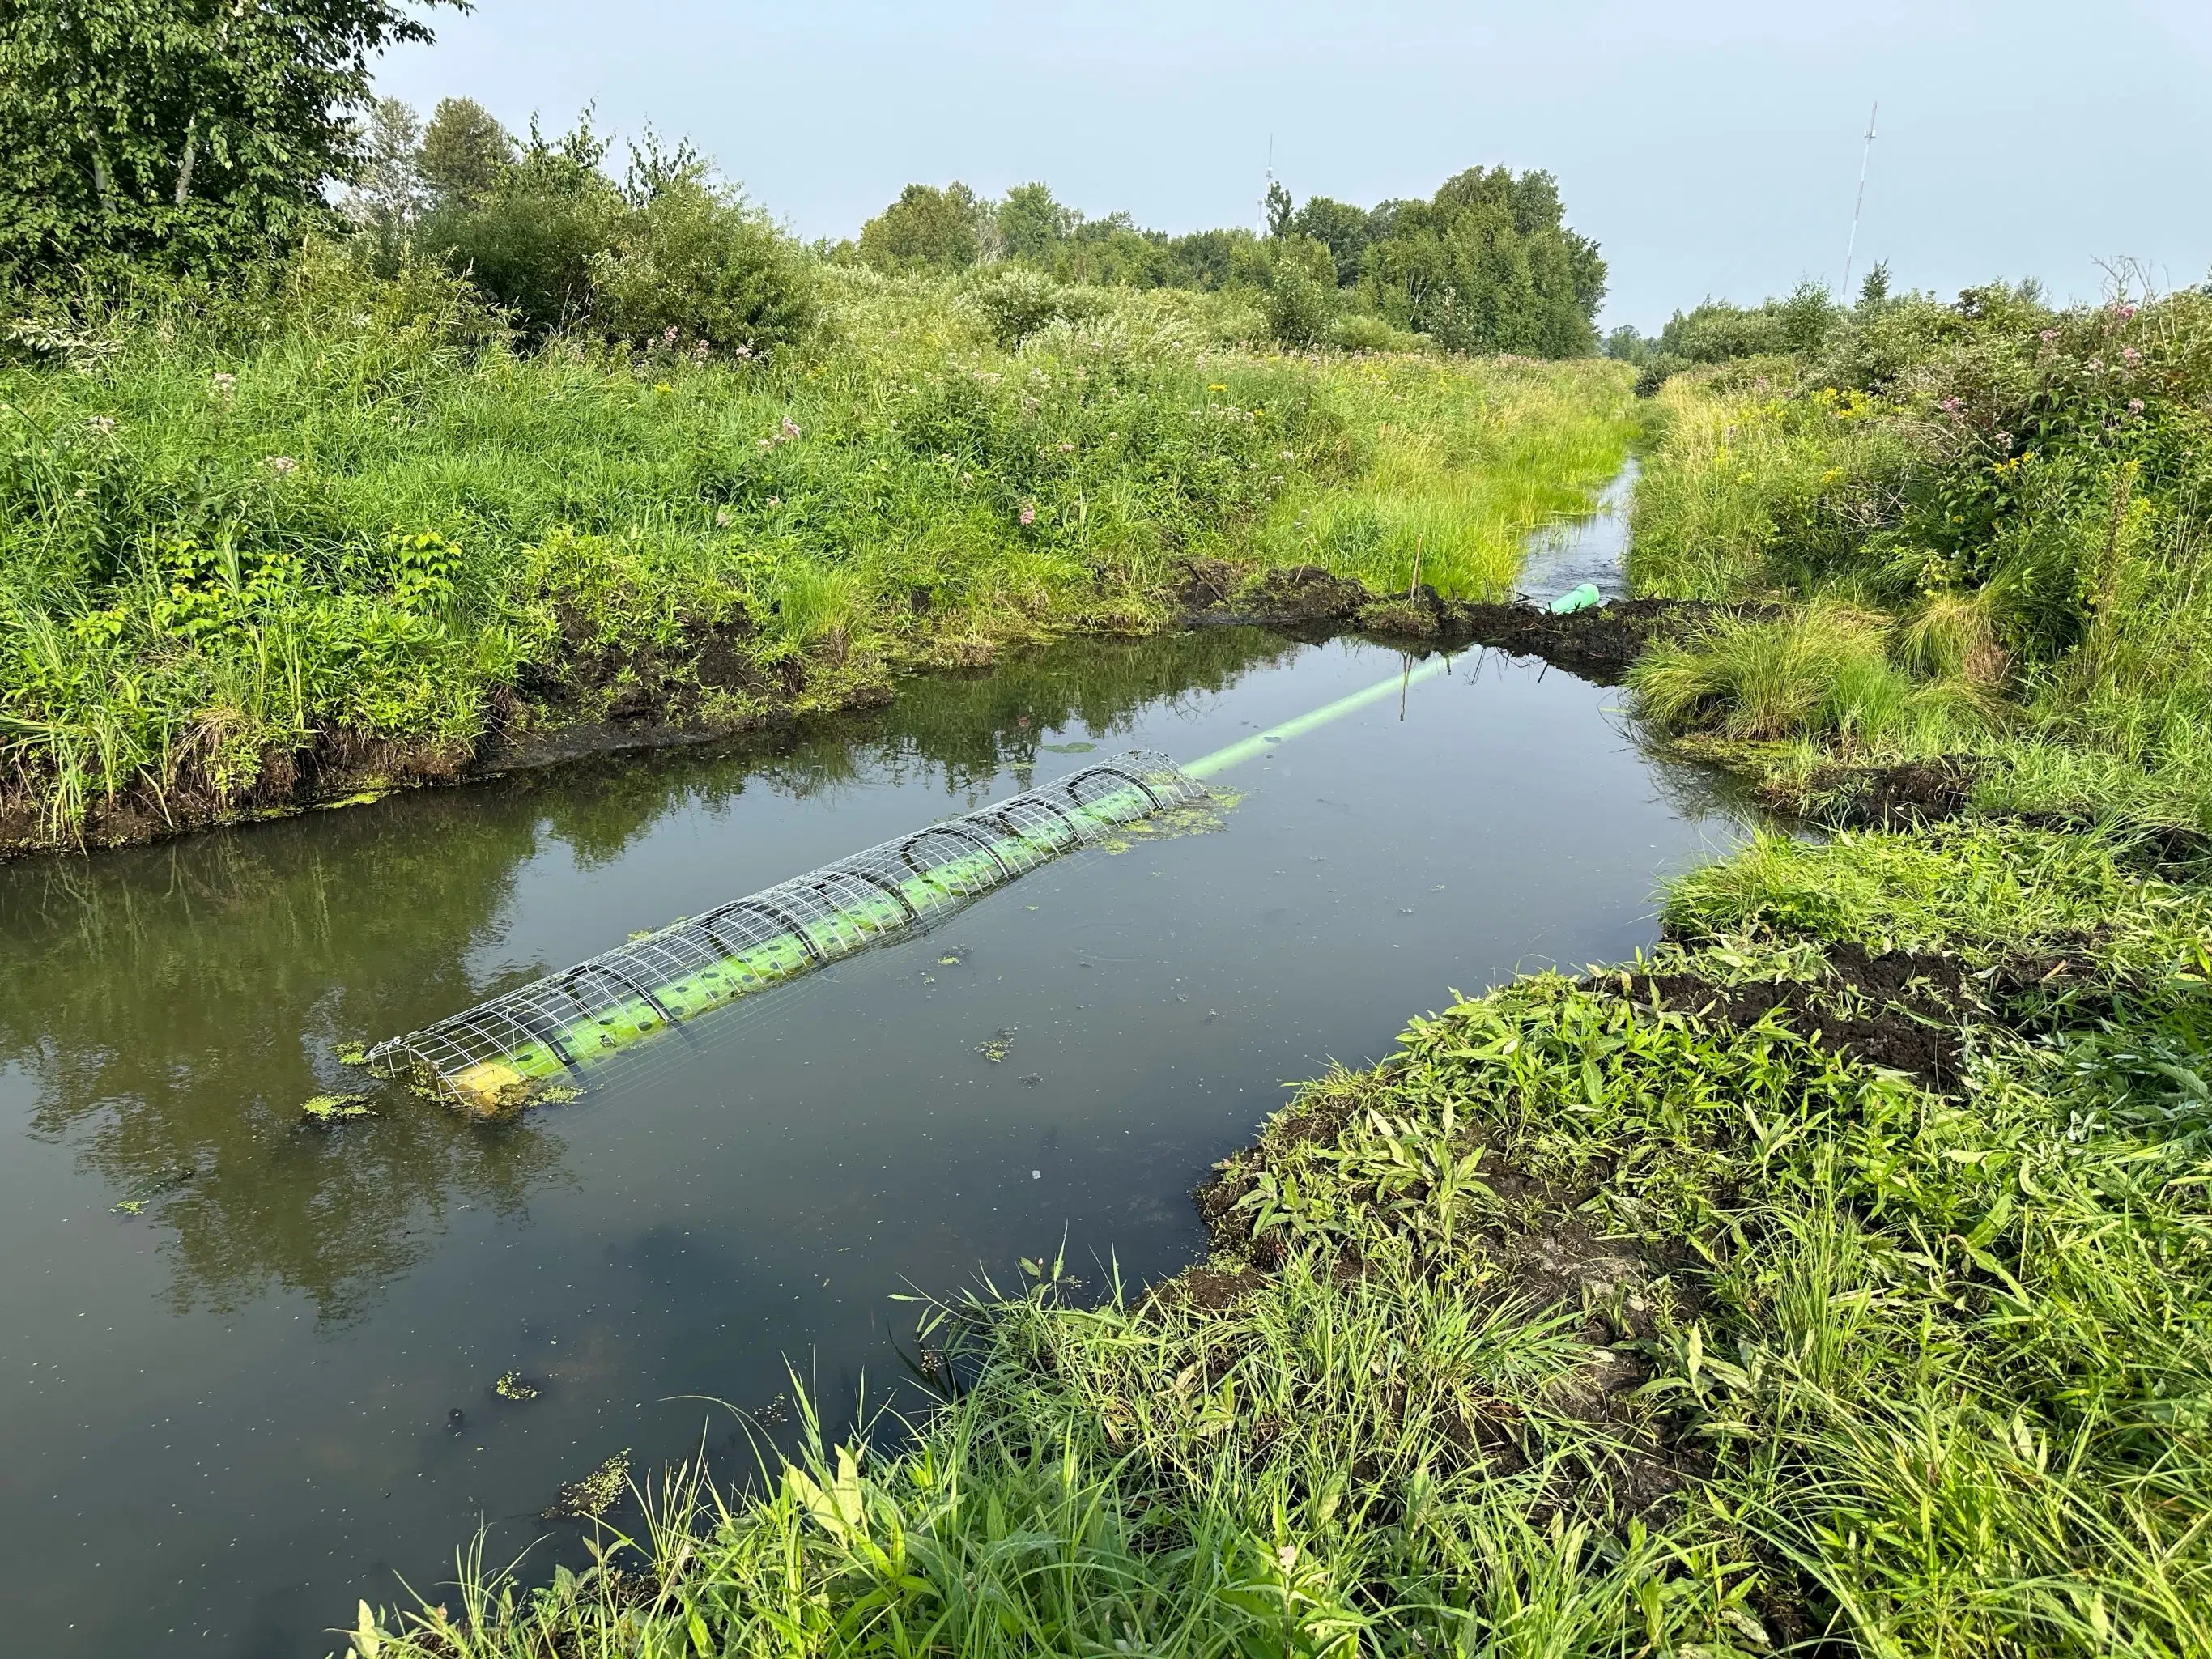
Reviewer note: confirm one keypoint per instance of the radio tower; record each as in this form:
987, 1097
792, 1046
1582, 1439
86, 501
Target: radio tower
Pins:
1851, 247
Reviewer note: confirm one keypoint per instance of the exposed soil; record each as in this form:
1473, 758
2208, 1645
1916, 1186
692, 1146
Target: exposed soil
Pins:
1900, 1011
1598, 644
596, 700
1894, 797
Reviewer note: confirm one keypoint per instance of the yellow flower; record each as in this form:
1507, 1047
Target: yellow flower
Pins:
664, 387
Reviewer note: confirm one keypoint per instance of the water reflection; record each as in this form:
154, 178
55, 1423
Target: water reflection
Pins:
174, 1006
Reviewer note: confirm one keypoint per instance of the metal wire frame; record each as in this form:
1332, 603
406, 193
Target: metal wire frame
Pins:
556, 1025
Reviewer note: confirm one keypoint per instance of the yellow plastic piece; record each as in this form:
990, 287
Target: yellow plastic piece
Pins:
487, 1083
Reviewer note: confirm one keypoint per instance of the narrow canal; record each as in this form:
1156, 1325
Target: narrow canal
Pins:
247, 1365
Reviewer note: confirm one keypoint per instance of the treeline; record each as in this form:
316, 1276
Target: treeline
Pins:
158, 138
1486, 264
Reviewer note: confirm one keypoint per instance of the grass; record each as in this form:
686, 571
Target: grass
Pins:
1832, 1280
346, 535
1976, 528
1597, 1319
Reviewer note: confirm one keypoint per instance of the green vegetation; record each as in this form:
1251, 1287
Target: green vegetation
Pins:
326, 1109
1832, 1278
188, 136
345, 531
1975, 529
1836, 1273
1486, 264
299, 503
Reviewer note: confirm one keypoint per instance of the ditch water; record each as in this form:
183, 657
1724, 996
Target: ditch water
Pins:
247, 1366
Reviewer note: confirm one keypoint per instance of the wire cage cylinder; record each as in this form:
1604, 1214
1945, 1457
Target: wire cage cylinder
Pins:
494, 1054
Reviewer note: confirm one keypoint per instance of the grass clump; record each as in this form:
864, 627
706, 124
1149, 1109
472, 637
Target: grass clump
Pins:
1834, 1277
1824, 672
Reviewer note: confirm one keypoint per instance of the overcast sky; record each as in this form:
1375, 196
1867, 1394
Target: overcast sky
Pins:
1711, 148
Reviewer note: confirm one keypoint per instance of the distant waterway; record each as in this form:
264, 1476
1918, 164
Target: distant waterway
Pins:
247, 1366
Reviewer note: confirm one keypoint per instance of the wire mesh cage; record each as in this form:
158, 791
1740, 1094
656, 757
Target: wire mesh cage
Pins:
494, 1054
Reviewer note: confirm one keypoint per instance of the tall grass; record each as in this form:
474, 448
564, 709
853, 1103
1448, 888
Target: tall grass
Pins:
348, 518
1825, 671
1453, 473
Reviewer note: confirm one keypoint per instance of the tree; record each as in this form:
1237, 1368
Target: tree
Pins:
1280, 209
189, 133
1342, 228
1486, 264
465, 152
940, 229
1031, 223
389, 195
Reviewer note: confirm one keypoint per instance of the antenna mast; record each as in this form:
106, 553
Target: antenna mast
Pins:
1851, 247
1266, 195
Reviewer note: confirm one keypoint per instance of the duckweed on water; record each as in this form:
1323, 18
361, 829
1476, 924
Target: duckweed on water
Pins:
514, 1385
596, 1493
335, 1108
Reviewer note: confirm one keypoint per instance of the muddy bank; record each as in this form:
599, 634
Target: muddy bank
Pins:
704, 689
1598, 644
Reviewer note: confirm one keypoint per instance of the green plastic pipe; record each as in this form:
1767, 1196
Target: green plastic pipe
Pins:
1241, 750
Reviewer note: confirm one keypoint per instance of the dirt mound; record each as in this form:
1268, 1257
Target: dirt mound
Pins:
1893, 797
1596, 645
1913, 1004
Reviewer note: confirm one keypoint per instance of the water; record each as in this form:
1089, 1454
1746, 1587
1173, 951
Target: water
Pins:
1591, 548
224, 1418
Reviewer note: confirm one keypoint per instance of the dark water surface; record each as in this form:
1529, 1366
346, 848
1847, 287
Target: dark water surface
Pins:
224, 1417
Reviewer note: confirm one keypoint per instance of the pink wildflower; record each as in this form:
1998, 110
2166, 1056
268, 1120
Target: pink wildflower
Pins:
789, 430
2135, 405
1028, 515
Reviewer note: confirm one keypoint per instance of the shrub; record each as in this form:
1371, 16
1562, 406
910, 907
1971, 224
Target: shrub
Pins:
1359, 331
1016, 302
697, 262
530, 244
1301, 301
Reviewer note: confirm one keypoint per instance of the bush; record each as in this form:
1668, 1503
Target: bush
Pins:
1016, 302
1359, 331
531, 242
696, 262
1301, 299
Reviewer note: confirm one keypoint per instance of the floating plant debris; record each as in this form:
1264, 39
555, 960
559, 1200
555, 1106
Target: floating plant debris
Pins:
592, 1496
